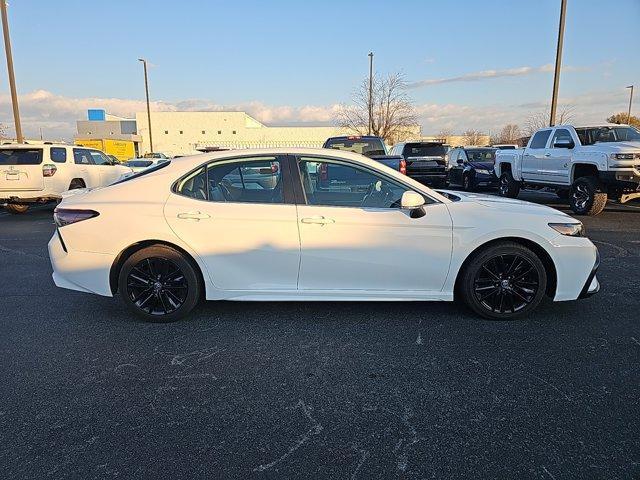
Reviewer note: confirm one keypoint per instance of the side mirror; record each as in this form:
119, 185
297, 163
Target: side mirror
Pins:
414, 202
563, 143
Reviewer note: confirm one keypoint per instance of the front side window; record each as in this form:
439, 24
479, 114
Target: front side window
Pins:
99, 158
82, 156
58, 154
258, 180
540, 139
338, 184
561, 134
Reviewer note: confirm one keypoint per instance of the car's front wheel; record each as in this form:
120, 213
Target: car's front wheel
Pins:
467, 182
503, 281
588, 197
159, 284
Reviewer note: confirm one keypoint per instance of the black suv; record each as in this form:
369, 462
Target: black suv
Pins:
425, 161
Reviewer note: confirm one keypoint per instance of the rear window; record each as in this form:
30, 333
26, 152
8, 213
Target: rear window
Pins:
364, 146
139, 163
424, 150
21, 156
481, 155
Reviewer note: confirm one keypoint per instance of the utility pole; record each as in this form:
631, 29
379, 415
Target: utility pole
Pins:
556, 76
370, 92
146, 89
630, 100
12, 80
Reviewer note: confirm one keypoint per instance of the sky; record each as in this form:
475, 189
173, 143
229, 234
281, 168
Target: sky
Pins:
468, 64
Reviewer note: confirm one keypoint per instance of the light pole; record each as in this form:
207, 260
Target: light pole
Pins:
370, 92
12, 80
146, 89
630, 100
556, 76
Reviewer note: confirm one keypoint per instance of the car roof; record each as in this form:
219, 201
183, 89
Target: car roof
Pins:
353, 137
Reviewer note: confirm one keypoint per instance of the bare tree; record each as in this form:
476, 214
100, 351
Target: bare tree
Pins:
510, 133
394, 117
3, 131
536, 121
473, 137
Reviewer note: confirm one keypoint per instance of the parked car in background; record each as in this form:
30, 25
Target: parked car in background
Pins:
139, 164
586, 164
40, 173
155, 155
425, 161
368, 145
472, 167
191, 229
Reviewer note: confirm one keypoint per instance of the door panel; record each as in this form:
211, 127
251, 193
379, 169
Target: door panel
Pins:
374, 249
245, 246
555, 165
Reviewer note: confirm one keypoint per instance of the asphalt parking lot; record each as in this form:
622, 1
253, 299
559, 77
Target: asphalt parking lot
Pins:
318, 390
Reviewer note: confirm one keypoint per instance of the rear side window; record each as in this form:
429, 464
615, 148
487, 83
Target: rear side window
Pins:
539, 140
21, 156
58, 154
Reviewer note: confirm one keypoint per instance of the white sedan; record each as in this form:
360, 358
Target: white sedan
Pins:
307, 224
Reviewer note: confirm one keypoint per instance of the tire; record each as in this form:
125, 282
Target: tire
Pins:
16, 209
468, 184
77, 183
503, 281
508, 186
587, 196
159, 284
563, 193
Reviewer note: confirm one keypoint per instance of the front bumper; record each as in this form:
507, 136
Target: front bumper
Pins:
80, 271
483, 180
592, 285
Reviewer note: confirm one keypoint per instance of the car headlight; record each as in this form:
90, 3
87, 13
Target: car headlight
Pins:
569, 229
625, 156
483, 171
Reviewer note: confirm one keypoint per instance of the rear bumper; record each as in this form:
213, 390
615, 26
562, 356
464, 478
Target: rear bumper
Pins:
429, 178
28, 196
80, 271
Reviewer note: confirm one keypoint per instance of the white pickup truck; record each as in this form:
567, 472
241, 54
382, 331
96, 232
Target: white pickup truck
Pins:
588, 165
40, 173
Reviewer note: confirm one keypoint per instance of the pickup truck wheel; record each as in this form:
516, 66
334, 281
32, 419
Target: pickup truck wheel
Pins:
468, 183
503, 281
509, 187
11, 208
587, 196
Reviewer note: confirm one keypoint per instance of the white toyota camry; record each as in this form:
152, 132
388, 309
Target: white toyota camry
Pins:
310, 224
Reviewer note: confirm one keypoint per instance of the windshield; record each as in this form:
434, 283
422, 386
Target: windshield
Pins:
139, 163
481, 155
364, 146
21, 156
424, 150
589, 136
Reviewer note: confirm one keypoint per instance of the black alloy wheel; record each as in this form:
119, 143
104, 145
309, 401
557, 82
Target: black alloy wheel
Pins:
506, 284
503, 281
159, 284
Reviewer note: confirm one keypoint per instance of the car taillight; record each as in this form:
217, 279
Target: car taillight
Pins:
67, 216
324, 174
49, 169
403, 167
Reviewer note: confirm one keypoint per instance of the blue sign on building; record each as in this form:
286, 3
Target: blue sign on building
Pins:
96, 114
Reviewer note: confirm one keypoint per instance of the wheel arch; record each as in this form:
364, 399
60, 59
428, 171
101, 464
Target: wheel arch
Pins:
583, 169
547, 261
116, 267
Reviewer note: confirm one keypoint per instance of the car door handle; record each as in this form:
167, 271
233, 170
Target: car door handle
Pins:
317, 220
547, 154
193, 216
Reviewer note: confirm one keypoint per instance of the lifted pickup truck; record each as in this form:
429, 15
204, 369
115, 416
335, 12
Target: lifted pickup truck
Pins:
588, 165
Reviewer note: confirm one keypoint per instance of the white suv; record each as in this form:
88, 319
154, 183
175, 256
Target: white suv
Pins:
39, 173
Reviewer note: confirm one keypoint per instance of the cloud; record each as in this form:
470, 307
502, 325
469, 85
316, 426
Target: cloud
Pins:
489, 74
56, 115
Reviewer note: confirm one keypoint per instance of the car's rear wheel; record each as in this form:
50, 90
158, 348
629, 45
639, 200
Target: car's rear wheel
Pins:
12, 208
503, 281
508, 187
587, 196
159, 284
